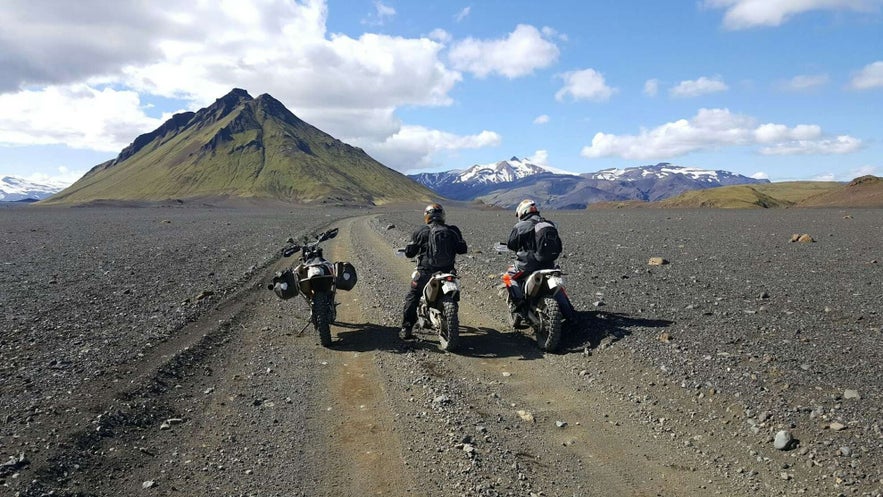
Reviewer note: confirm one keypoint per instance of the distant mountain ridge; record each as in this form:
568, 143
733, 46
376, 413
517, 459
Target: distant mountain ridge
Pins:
13, 189
479, 179
506, 183
242, 147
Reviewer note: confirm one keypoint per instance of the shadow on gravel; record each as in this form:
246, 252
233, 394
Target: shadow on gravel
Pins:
488, 342
362, 337
591, 329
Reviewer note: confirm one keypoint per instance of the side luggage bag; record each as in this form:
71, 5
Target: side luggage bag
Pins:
284, 284
346, 275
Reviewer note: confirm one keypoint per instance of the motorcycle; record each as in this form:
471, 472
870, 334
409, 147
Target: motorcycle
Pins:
316, 280
545, 303
438, 307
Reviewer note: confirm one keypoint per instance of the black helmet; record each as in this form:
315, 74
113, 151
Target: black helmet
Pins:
434, 212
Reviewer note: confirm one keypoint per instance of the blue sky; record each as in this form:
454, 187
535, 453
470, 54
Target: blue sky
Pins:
781, 89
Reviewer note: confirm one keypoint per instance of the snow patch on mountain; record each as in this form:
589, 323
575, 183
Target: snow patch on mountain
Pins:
13, 189
499, 172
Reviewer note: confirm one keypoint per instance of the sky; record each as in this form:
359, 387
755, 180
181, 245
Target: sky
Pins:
776, 89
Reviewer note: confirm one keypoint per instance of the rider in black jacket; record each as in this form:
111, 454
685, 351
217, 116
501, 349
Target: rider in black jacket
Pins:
433, 215
522, 241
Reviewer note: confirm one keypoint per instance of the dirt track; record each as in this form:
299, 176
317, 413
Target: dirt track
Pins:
238, 403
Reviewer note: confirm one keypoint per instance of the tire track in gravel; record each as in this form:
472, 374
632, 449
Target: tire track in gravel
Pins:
364, 451
612, 454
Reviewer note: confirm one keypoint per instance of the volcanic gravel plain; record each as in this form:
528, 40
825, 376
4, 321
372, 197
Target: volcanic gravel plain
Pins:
141, 354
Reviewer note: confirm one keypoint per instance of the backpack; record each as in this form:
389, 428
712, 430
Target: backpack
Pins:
548, 243
442, 246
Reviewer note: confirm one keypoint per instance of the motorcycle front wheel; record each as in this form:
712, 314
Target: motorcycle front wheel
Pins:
322, 305
449, 333
548, 331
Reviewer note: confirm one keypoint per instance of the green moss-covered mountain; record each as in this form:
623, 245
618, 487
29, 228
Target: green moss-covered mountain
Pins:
242, 147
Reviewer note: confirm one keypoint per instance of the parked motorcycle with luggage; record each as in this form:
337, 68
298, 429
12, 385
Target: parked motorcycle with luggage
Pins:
438, 309
544, 299
316, 280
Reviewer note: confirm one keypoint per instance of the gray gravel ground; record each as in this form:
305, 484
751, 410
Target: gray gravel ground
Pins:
742, 334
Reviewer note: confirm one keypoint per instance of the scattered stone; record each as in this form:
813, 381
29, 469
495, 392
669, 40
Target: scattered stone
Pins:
507, 374
657, 261
148, 484
783, 440
844, 451
390, 226
851, 394
560, 424
802, 238
836, 426
441, 399
526, 416
205, 294
664, 337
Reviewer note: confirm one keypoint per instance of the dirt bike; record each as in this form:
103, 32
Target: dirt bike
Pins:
316, 280
438, 308
545, 303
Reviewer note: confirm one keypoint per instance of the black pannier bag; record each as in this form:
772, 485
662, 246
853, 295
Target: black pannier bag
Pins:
285, 284
346, 276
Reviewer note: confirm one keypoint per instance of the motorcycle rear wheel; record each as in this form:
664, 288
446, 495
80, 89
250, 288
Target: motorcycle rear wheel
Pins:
548, 331
449, 333
322, 302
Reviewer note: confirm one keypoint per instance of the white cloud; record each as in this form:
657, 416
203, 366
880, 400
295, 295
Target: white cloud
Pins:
824, 177
701, 86
519, 54
744, 14
540, 157
440, 35
586, 84
64, 176
804, 82
651, 87
463, 14
712, 129
414, 147
198, 51
543, 119
825, 146
871, 76
382, 13
76, 115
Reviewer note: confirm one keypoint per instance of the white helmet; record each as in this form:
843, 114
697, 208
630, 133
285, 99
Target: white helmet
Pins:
526, 208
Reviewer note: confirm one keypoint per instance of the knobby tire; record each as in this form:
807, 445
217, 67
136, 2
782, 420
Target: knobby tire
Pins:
321, 313
549, 330
449, 334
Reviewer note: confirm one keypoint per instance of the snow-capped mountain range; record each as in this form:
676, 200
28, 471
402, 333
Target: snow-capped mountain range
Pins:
505, 183
14, 189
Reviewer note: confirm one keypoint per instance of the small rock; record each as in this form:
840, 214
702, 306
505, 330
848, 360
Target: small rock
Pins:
148, 484
657, 261
560, 424
844, 451
526, 416
851, 394
664, 337
783, 440
507, 374
390, 226
441, 399
836, 426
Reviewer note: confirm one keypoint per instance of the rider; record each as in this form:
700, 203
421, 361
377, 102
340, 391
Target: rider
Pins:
522, 241
427, 261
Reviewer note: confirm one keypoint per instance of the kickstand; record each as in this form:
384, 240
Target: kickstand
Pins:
309, 320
